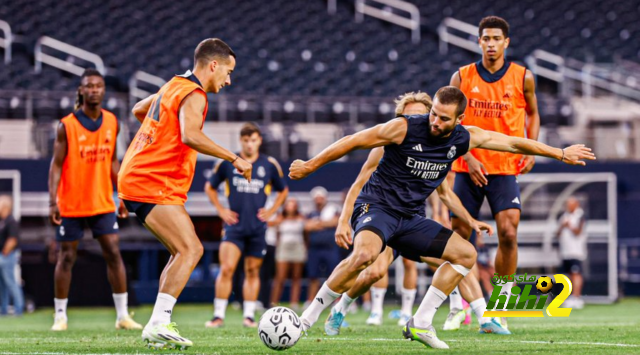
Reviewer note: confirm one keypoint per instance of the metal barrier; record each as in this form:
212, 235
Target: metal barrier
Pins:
447, 38
135, 93
7, 41
412, 23
41, 57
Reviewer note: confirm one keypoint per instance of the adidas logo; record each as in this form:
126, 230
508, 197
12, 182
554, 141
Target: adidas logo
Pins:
516, 200
167, 311
115, 225
82, 138
418, 147
475, 89
320, 300
507, 95
366, 220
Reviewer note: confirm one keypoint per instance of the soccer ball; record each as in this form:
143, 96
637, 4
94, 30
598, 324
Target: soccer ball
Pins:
279, 328
544, 284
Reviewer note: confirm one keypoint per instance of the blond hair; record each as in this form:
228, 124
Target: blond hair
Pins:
403, 100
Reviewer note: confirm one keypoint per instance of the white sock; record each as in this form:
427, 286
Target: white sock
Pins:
61, 307
479, 306
249, 309
506, 289
121, 300
455, 299
162, 309
343, 305
324, 298
219, 307
428, 307
377, 300
408, 297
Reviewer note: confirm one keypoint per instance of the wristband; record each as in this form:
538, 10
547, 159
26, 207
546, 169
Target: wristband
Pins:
562, 159
234, 160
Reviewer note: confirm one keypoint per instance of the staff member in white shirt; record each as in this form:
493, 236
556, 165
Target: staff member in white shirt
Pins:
573, 248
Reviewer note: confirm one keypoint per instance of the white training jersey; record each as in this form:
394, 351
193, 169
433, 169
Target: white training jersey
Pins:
573, 246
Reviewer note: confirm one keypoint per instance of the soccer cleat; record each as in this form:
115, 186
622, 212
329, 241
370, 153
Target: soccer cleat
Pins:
426, 336
59, 324
404, 318
454, 319
249, 323
333, 323
494, 327
127, 323
305, 325
165, 336
395, 314
215, 322
503, 322
374, 319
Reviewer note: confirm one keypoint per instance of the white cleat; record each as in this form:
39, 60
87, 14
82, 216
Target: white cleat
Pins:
59, 324
374, 319
165, 336
454, 319
127, 323
426, 336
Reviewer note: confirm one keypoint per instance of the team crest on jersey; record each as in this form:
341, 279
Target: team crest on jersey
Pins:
452, 152
261, 171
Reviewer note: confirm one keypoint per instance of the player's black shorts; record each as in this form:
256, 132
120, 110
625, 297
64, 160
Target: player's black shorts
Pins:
571, 266
141, 209
502, 192
250, 244
411, 236
72, 228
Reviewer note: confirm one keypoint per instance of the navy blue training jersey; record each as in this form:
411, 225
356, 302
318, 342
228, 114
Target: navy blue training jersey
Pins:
409, 172
247, 198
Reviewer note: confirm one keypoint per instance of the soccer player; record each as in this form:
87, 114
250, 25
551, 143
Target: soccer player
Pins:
245, 222
407, 105
158, 169
502, 99
418, 154
81, 176
321, 227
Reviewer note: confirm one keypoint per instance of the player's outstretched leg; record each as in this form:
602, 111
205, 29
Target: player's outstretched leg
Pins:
459, 256
118, 280
370, 276
366, 248
173, 227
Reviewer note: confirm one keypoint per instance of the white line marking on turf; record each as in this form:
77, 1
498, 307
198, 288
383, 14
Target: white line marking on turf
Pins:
493, 340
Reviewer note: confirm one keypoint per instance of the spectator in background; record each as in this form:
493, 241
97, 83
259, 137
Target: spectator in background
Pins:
268, 269
9, 232
573, 248
291, 252
324, 254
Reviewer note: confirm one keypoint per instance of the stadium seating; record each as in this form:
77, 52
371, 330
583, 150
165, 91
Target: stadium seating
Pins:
314, 55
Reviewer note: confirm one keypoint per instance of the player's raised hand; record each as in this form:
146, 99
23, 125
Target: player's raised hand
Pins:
54, 215
343, 235
481, 226
244, 167
299, 170
477, 171
576, 154
228, 216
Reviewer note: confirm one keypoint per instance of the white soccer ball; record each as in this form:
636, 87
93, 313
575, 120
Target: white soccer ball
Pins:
279, 328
